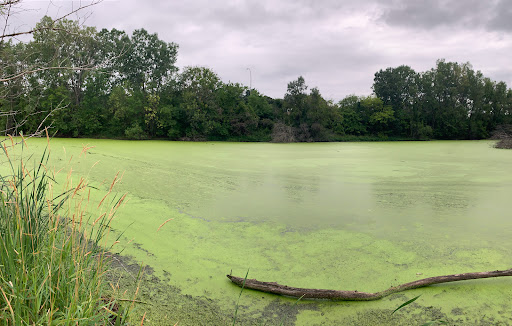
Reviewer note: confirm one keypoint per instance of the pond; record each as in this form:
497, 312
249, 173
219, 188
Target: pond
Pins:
347, 216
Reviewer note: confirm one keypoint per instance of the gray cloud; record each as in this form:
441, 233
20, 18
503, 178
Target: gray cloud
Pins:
418, 14
467, 14
502, 18
336, 45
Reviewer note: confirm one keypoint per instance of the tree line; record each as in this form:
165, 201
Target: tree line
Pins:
114, 85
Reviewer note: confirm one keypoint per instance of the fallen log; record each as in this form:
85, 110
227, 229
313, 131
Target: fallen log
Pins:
275, 288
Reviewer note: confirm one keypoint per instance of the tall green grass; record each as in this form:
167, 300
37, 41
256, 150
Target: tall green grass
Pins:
53, 260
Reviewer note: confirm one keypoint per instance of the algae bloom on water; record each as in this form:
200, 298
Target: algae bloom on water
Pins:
348, 216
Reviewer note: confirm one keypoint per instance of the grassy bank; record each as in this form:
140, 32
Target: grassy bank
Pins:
52, 255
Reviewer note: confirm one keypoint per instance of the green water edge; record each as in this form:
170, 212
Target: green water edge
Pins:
351, 216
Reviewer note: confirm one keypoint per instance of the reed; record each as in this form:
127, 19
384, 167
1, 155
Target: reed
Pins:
53, 252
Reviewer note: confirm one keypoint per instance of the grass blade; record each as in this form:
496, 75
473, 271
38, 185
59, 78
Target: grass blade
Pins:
406, 303
239, 296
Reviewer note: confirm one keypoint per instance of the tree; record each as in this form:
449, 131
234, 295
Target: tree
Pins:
149, 62
375, 114
238, 118
321, 116
11, 91
77, 47
125, 107
157, 118
350, 119
451, 114
260, 105
114, 49
294, 104
450, 101
199, 113
265, 109
15, 70
398, 88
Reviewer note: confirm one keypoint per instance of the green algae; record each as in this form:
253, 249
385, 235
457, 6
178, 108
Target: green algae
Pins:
352, 216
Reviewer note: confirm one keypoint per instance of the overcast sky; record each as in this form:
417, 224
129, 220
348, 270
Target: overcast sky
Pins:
337, 45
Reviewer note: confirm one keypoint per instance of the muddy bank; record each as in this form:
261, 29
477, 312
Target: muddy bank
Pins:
164, 304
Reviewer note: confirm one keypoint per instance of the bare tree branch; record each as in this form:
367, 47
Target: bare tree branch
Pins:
28, 72
37, 30
273, 287
8, 15
80, 8
10, 3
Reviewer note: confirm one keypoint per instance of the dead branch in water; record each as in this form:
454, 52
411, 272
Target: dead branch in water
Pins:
273, 287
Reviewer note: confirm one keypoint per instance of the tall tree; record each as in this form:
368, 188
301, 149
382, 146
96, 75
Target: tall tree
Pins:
350, 120
398, 87
321, 116
238, 118
63, 44
199, 113
295, 104
28, 113
149, 62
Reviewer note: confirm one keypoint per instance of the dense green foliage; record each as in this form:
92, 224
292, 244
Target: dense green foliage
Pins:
131, 88
450, 101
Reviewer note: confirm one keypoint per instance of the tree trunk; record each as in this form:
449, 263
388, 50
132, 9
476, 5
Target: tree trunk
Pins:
273, 287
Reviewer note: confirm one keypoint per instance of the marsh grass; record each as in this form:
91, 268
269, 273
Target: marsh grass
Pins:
53, 254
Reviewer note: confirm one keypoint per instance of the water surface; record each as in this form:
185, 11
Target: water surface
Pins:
351, 216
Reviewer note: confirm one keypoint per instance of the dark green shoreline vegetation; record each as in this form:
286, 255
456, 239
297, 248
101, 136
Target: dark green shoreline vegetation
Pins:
130, 88
54, 254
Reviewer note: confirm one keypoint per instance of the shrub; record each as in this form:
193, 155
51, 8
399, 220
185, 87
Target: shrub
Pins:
282, 133
135, 132
504, 143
